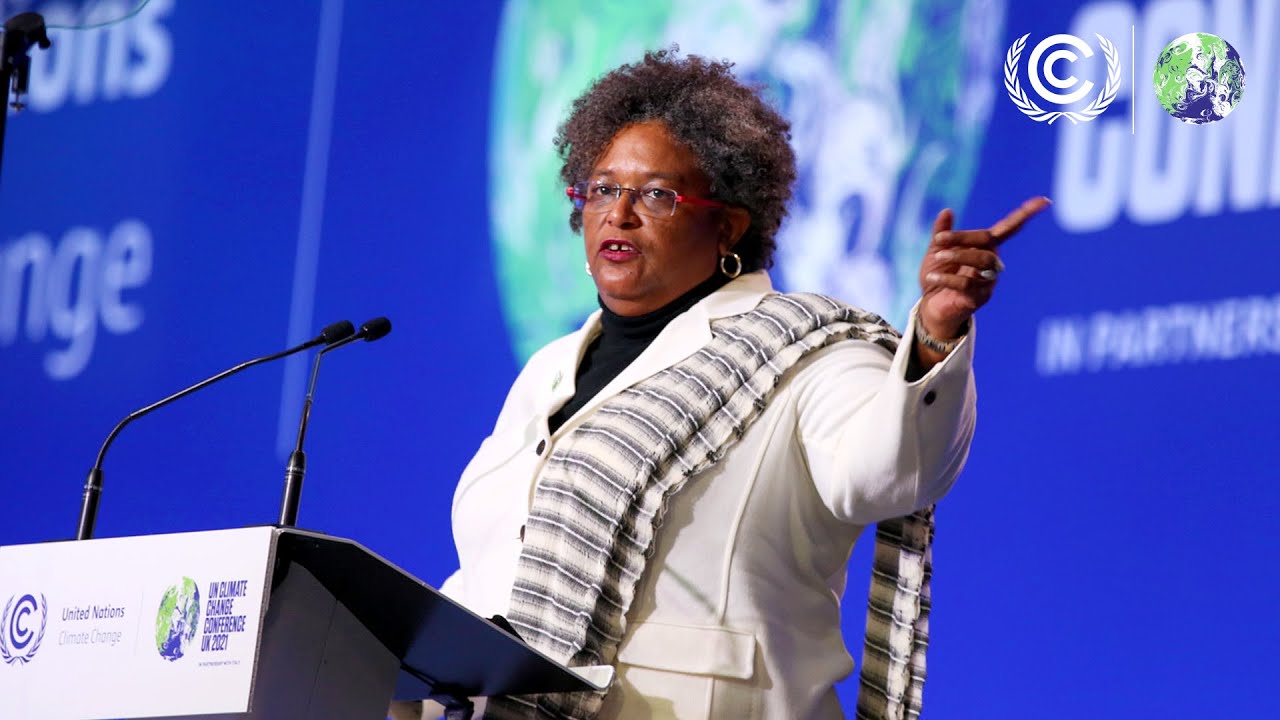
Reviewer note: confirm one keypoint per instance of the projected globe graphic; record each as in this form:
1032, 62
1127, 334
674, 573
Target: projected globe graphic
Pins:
1199, 78
888, 105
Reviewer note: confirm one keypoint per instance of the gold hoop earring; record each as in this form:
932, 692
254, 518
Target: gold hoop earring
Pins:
737, 265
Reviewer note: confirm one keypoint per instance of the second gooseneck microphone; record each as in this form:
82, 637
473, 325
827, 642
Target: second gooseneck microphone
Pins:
296, 470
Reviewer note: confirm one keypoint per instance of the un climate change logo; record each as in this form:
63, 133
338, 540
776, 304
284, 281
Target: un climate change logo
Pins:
177, 619
19, 638
1036, 66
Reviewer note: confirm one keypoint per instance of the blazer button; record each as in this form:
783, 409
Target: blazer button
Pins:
542, 445
929, 397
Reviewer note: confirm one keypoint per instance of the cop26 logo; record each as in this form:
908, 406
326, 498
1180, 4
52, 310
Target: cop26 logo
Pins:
1039, 64
19, 636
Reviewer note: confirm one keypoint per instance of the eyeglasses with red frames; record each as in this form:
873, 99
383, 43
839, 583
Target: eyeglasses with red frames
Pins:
653, 201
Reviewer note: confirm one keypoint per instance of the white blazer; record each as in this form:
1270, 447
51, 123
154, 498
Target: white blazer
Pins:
738, 613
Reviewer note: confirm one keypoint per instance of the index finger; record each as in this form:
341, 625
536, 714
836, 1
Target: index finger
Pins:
1010, 224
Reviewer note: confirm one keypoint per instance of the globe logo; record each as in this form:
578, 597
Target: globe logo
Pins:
22, 626
1199, 78
177, 619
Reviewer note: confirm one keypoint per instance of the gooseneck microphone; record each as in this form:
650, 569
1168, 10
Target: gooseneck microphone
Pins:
330, 336
296, 470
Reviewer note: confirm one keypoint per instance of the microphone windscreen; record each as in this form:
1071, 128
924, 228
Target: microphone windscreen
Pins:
375, 329
340, 330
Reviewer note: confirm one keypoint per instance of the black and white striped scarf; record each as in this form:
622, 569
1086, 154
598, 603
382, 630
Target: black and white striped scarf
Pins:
602, 496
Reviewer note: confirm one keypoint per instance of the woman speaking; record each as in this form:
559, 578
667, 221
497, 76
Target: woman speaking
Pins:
675, 488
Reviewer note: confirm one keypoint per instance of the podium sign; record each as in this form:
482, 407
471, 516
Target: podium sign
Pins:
254, 624
172, 629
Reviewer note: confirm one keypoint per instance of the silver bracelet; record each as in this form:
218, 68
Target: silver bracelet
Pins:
933, 343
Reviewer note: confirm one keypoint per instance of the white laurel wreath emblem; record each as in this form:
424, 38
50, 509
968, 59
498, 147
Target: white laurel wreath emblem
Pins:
23, 658
1028, 106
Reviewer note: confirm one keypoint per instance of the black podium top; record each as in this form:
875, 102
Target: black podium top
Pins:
444, 649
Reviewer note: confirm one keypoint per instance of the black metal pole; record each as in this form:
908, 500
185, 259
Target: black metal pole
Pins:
20, 32
6, 77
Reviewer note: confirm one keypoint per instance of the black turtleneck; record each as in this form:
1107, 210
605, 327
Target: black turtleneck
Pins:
621, 340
